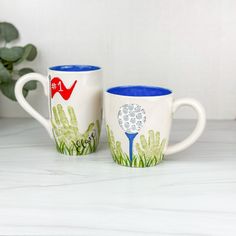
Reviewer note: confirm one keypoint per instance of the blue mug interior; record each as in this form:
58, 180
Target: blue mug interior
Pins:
71, 68
139, 91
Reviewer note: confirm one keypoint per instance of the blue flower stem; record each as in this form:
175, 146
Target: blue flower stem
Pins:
131, 140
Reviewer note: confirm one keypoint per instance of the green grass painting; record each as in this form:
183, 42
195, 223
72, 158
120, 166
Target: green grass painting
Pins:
149, 150
68, 139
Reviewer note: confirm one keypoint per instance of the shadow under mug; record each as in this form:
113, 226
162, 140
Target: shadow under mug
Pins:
75, 106
138, 122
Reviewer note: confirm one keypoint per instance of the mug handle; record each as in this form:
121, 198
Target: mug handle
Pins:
20, 98
198, 128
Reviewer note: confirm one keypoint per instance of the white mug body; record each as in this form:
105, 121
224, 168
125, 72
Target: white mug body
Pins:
77, 131
138, 123
75, 106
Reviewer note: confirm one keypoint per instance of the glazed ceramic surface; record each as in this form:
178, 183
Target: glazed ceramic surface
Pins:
75, 106
138, 122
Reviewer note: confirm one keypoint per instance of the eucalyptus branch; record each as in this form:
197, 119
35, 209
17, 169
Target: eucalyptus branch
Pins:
12, 56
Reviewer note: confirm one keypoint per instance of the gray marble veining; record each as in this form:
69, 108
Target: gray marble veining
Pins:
192, 193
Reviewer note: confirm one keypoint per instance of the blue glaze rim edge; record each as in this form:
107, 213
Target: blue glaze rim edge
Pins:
154, 91
74, 68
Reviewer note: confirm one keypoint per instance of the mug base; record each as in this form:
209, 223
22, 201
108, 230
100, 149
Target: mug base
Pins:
76, 152
139, 162
75, 155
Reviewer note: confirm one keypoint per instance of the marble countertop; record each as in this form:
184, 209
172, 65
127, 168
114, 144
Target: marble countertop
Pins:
192, 193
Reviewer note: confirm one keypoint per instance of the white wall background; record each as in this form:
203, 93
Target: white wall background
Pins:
186, 45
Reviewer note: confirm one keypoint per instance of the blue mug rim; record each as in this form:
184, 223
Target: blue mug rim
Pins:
74, 68
139, 91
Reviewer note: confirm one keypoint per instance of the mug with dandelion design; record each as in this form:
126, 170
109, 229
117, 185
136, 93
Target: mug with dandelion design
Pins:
75, 106
138, 122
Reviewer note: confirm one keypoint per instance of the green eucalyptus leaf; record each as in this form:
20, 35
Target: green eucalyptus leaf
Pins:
4, 74
8, 65
25, 71
30, 52
31, 85
11, 54
8, 89
25, 92
8, 32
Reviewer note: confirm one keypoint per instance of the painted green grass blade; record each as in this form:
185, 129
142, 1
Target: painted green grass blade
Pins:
149, 150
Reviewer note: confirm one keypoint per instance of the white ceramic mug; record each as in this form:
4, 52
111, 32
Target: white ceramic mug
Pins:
75, 106
138, 122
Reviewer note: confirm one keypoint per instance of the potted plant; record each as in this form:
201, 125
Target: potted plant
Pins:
11, 58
